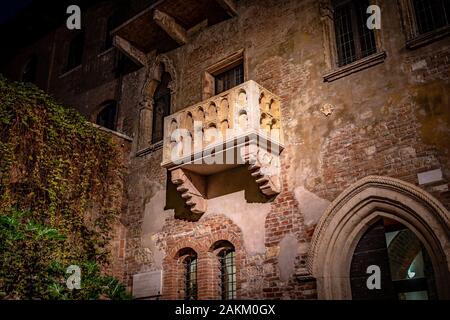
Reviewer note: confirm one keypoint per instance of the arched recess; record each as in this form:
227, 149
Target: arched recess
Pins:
355, 210
106, 115
153, 78
174, 276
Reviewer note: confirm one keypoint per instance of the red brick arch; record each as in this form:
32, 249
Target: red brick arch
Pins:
222, 229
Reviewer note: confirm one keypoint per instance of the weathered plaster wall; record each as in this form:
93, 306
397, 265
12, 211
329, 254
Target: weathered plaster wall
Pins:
390, 119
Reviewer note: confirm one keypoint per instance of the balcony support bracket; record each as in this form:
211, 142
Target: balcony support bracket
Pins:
229, 6
264, 167
136, 55
171, 27
192, 188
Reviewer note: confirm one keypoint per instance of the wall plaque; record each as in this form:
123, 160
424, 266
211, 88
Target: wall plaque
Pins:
148, 284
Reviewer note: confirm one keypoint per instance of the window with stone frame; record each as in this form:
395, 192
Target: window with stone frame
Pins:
354, 40
431, 15
229, 78
424, 21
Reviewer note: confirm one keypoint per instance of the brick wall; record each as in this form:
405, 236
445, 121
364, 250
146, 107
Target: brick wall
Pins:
391, 119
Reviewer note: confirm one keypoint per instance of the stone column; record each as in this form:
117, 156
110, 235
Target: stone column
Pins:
145, 124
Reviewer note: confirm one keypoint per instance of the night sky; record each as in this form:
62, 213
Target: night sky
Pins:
8, 8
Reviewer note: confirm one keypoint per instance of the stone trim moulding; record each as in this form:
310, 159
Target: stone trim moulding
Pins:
356, 66
413, 38
116, 133
73, 70
335, 72
208, 77
152, 148
106, 51
427, 38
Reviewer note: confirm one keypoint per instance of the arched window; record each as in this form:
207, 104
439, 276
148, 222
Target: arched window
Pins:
190, 277
29, 70
226, 276
161, 107
227, 260
107, 115
76, 48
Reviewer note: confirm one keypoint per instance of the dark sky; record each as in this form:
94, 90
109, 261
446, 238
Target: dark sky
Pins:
8, 8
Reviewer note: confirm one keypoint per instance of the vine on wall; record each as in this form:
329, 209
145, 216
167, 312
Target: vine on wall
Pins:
63, 173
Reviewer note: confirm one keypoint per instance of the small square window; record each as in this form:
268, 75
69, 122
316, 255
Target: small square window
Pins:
229, 79
224, 75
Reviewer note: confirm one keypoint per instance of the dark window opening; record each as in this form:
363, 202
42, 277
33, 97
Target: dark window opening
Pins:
190, 284
406, 271
161, 107
107, 116
227, 274
354, 40
111, 23
29, 70
230, 78
76, 48
431, 14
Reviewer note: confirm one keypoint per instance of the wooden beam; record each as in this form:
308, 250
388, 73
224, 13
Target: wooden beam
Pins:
171, 27
229, 6
130, 51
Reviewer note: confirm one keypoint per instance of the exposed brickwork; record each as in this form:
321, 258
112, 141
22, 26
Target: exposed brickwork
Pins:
201, 237
391, 119
392, 147
430, 66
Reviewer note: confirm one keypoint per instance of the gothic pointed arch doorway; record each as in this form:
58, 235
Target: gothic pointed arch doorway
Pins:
404, 267
375, 203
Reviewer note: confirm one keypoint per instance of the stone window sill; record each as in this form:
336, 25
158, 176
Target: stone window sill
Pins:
154, 147
356, 66
70, 71
428, 37
105, 52
116, 133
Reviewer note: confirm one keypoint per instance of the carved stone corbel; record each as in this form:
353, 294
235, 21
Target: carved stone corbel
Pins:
192, 189
130, 51
264, 167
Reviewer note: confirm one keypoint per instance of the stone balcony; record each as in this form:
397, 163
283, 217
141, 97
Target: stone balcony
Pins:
241, 126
